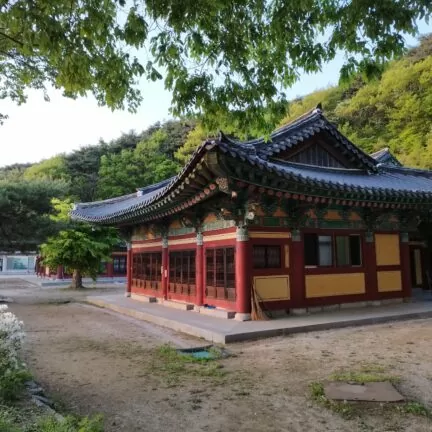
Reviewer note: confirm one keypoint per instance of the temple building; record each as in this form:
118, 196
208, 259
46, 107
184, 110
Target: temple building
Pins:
302, 221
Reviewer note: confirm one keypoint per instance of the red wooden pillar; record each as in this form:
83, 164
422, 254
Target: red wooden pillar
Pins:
370, 265
405, 265
199, 270
297, 270
426, 262
129, 270
110, 269
242, 275
59, 272
164, 269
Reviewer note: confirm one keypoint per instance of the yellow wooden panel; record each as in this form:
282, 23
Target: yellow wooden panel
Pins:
287, 263
418, 267
192, 241
272, 287
389, 281
269, 235
327, 285
387, 249
216, 237
146, 245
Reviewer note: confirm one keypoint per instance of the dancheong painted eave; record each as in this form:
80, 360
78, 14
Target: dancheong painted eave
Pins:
368, 181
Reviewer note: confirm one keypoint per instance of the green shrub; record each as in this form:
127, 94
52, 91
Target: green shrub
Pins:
12, 384
72, 424
6, 426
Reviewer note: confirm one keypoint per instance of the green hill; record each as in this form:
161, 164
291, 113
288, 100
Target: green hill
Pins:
394, 111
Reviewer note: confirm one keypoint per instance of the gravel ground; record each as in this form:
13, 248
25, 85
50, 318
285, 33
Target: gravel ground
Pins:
94, 361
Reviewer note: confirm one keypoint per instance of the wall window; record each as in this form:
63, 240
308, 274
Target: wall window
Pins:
332, 250
22, 263
348, 250
147, 266
318, 250
220, 273
182, 267
266, 257
119, 264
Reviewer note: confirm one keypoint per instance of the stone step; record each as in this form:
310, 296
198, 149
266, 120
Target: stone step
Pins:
218, 313
176, 304
143, 298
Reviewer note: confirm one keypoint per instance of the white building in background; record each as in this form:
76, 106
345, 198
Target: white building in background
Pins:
17, 263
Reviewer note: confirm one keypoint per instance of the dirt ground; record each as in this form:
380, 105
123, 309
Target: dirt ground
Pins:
95, 361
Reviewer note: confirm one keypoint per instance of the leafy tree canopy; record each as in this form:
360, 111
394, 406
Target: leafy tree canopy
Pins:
49, 169
123, 173
228, 60
79, 247
13, 172
77, 46
25, 209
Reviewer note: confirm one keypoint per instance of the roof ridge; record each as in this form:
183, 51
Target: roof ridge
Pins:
380, 151
105, 201
153, 186
406, 170
318, 168
309, 115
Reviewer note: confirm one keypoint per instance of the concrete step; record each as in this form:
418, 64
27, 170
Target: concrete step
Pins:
227, 331
143, 298
219, 313
176, 304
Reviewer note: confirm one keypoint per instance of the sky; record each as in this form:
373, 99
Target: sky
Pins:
38, 130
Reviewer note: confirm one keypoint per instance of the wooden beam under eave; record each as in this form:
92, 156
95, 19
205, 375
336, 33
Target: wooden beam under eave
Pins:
198, 179
207, 174
194, 186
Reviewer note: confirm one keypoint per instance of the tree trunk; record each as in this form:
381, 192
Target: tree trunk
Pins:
76, 280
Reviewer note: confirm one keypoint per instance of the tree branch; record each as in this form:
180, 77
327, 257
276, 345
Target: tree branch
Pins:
12, 39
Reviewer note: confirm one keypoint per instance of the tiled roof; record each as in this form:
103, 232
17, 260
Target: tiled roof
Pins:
296, 132
374, 180
384, 156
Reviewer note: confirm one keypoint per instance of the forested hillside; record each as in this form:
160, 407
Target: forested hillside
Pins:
393, 111
108, 169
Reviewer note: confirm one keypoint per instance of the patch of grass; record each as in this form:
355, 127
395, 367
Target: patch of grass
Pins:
365, 374
317, 391
415, 408
371, 367
6, 426
174, 366
71, 424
